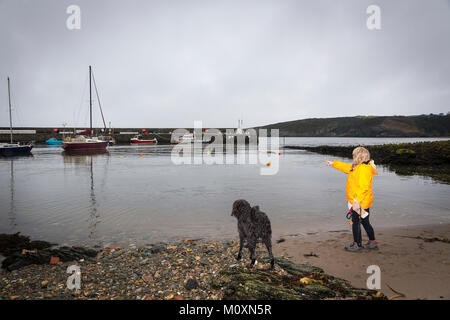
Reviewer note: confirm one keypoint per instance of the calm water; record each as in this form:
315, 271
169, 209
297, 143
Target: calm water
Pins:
137, 195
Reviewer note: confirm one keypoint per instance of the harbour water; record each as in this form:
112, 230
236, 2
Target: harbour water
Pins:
137, 195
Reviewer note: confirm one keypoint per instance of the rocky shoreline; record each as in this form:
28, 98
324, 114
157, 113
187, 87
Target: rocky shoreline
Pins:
430, 159
190, 269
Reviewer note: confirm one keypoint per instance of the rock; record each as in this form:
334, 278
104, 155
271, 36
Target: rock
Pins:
306, 281
54, 260
17, 260
111, 248
297, 269
191, 284
227, 243
158, 248
14, 243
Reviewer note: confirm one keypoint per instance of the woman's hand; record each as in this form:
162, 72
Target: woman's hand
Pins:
356, 206
329, 163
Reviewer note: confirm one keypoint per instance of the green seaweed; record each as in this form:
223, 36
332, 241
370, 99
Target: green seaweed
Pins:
404, 151
259, 284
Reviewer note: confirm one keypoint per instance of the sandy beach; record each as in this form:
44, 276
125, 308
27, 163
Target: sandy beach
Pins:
419, 269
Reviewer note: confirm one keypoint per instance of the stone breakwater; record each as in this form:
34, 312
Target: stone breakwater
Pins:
190, 269
121, 135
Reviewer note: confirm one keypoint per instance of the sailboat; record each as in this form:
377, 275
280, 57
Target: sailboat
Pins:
82, 143
13, 148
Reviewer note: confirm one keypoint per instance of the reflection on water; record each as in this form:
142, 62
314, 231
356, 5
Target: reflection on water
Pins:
12, 211
136, 194
84, 159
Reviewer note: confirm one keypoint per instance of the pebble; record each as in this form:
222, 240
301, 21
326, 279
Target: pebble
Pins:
191, 284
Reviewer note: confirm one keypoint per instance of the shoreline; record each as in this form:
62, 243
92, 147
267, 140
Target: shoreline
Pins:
412, 266
428, 159
417, 268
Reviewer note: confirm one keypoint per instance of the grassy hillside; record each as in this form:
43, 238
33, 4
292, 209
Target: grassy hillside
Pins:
362, 126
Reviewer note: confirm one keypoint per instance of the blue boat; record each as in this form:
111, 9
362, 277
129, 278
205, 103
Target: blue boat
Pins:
11, 149
53, 142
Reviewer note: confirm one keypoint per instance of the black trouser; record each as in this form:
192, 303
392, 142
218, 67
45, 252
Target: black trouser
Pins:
356, 227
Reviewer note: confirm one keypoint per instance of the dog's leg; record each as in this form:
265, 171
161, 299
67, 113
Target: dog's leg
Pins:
252, 247
241, 245
268, 244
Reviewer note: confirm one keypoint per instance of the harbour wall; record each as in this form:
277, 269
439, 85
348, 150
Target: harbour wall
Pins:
122, 135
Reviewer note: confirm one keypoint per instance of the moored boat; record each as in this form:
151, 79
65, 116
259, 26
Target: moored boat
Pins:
138, 139
189, 138
53, 142
14, 149
11, 148
80, 142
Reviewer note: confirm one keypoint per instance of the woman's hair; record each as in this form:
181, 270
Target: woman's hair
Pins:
360, 155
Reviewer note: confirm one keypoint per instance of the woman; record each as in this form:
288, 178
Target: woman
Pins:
359, 195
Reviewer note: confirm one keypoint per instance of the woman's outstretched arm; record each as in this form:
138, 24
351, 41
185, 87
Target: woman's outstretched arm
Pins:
341, 166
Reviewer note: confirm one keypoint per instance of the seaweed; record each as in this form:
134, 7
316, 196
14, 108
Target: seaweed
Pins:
20, 252
299, 282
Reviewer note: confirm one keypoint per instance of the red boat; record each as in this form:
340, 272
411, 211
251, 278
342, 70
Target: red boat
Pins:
138, 139
83, 143
80, 142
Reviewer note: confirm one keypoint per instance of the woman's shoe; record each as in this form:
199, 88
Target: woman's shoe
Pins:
372, 245
354, 247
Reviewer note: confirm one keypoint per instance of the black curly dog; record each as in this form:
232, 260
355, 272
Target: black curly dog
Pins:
252, 226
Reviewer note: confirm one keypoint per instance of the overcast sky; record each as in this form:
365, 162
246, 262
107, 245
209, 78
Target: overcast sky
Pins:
168, 63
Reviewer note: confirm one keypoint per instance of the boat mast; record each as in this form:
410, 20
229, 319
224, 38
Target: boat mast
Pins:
90, 98
98, 99
10, 117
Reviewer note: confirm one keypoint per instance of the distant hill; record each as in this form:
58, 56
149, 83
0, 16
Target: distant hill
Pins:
366, 126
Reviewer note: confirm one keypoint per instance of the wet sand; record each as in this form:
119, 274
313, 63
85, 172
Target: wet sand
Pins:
419, 269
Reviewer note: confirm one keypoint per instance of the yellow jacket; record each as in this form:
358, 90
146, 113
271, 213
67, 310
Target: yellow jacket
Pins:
359, 182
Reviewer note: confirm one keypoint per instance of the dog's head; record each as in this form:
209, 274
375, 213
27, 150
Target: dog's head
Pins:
240, 207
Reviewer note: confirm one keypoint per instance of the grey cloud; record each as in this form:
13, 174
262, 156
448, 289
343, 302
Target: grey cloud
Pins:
168, 63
